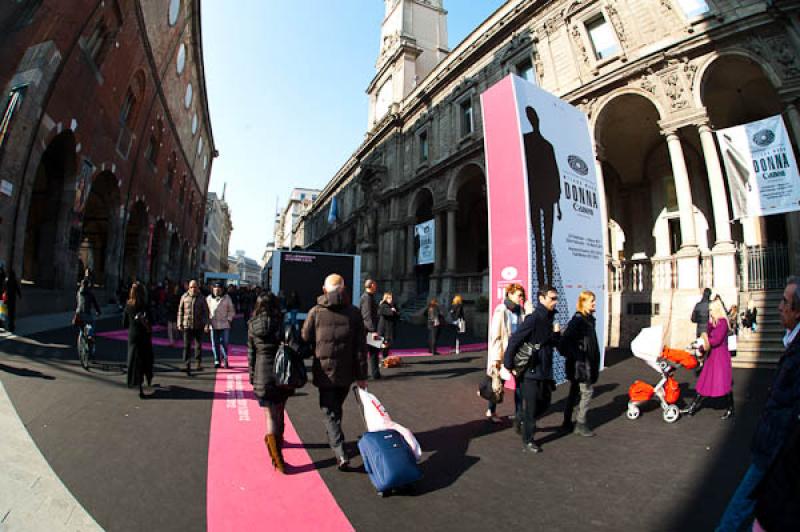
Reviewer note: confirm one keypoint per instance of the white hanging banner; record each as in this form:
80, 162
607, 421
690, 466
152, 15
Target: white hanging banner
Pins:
761, 168
425, 236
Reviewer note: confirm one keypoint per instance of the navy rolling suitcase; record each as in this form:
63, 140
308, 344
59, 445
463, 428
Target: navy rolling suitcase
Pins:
388, 460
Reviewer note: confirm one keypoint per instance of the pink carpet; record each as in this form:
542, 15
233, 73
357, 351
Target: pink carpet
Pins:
244, 492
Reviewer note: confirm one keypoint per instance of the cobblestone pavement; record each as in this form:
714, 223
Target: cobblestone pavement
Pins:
137, 465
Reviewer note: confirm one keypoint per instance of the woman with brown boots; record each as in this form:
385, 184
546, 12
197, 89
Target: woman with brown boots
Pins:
264, 333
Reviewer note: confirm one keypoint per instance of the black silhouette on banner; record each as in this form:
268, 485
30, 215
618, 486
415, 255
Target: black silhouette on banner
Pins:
544, 192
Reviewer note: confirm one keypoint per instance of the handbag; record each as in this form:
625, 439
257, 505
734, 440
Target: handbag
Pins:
526, 357
290, 371
733, 342
489, 390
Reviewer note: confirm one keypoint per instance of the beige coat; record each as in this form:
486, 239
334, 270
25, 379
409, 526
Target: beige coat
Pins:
499, 333
220, 311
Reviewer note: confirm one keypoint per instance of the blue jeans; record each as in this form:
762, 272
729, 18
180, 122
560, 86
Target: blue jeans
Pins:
740, 508
219, 342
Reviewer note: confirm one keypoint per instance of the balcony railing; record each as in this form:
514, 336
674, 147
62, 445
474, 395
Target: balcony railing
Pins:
763, 267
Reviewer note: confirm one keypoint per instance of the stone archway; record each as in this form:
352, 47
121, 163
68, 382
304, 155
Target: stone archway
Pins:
173, 262
101, 230
135, 248
184, 271
47, 219
469, 251
420, 210
159, 249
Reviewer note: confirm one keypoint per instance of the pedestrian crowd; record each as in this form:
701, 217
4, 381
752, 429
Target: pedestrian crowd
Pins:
346, 344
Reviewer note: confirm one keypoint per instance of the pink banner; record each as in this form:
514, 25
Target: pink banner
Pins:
508, 216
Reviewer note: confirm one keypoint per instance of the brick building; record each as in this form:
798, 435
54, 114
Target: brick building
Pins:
106, 145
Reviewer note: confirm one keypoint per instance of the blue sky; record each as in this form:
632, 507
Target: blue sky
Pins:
286, 84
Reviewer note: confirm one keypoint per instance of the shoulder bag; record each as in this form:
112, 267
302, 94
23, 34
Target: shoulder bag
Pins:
290, 371
527, 357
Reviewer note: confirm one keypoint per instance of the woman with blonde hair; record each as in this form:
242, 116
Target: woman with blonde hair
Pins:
387, 317
716, 377
580, 347
456, 316
505, 319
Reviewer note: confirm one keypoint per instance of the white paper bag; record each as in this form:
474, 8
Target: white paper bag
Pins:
375, 340
732, 342
377, 418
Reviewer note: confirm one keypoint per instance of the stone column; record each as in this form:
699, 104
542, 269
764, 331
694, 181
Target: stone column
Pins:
451, 240
438, 266
601, 195
410, 250
719, 200
724, 252
688, 265
793, 218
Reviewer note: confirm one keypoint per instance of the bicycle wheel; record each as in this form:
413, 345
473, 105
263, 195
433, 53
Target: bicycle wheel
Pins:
83, 351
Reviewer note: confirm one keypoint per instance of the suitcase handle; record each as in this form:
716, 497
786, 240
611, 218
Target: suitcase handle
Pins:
360, 407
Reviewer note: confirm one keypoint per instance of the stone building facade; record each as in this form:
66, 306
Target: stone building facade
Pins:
654, 77
106, 148
217, 229
289, 230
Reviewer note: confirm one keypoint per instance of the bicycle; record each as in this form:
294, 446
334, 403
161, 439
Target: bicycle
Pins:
86, 344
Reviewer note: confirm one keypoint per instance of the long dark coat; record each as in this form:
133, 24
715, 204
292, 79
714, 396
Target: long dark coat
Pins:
579, 343
140, 345
387, 317
263, 339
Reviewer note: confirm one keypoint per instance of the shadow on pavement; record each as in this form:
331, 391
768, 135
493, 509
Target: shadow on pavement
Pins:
25, 372
449, 459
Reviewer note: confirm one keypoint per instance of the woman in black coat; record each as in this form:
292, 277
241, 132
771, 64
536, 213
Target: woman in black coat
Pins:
580, 347
387, 317
138, 320
264, 331
435, 322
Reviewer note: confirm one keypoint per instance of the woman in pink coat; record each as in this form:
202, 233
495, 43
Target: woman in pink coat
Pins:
716, 378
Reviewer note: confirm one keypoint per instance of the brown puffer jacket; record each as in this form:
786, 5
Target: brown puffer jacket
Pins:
336, 331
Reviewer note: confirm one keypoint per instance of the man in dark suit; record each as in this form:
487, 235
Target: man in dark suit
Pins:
369, 314
778, 418
544, 191
537, 382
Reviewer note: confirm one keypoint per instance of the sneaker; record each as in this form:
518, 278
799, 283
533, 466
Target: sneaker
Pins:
531, 447
216, 365
490, 416
583, 430
342, 463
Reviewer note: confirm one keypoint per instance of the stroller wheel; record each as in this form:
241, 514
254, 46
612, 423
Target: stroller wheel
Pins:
671, 414
633, 412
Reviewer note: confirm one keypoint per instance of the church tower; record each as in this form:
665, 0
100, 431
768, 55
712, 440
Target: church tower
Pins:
413, 42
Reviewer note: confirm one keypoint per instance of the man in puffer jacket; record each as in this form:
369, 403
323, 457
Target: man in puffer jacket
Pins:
192, 320
220, 312
335, 328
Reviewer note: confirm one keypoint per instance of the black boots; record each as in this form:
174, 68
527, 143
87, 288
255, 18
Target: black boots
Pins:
729, 412
695, 406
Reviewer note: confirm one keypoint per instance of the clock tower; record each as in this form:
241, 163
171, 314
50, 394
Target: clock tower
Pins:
413, 42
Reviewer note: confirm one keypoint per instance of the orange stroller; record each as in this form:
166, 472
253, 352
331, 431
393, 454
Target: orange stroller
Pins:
648, 347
